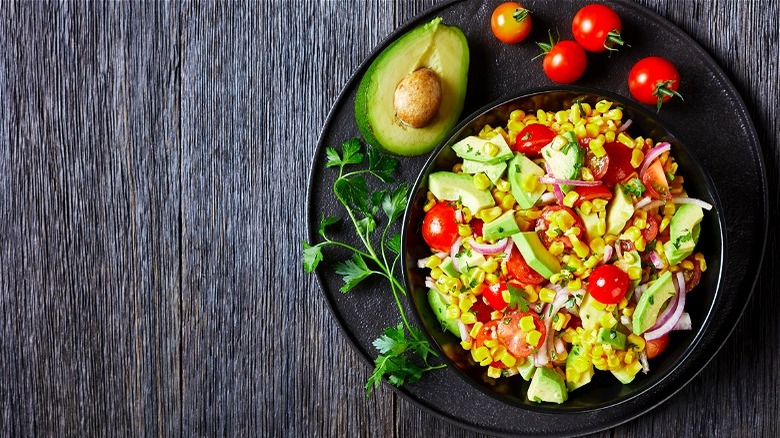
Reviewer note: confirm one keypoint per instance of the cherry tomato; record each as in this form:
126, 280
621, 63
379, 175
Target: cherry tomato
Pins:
494, 294
656, 346
655, 182
513, 337
654, 80
598, 165
511, 22
543, 223
693, 277
620, 167
588, 193
439, 227
476, 226
651, 230
518, 269
597, 28
608, 284
533, 138
564, 62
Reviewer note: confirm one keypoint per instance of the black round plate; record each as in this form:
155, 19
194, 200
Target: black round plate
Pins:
712, 123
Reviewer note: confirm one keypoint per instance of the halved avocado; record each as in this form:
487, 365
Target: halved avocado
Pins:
434, 45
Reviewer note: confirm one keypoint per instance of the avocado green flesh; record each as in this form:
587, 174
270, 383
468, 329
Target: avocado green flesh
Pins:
612, 337
577, 351
434, 45
565, 163
502, 226
589, 313
493, 171
591, 222
450, 186
684, 231
651, 302
547, 386
519, 167
439, 308
619, 211
535, 254
623, 376
473, 148
526, 369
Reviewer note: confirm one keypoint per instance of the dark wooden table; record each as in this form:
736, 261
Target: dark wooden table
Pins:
153, 170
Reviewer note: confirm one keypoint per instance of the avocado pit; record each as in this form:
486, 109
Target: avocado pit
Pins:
417, 97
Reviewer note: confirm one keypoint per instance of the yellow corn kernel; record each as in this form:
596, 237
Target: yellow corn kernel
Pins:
498, 352
515, 126
631, 233
468, 318
591, 261
490, 148
517, 114
558, 321
637, 156
640, 244
574, 113
436, 273
466, 214
464, 306
481, 181
475, 329
607, 320
607, 349
614, 362
556, 248
669, 209
570, 198
592, 130
640, 222
609, 136
480, 353
664, 223
541, 116
494, 315
530, 294
625, 139
508, 202
478, 276
634, 273
628, 311
532, 338
561, 116
687, 265
603, 106
464, 230
633, 368
527, 323
597, 351
494, 372
453, 312
637, 342
529, 182
506, 295
575, 284
509, 360
586, 207
466, 345
699, 257
429, 205
486, 132
432, 262
599, 204
597, 245
487, 361
489, 266
572, 375
580, 248
490, 343
490, 214
629, 358
503, 185
498, 195
457, 168
546, 295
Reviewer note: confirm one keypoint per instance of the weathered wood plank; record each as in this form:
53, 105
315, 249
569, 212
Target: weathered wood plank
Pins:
90, 232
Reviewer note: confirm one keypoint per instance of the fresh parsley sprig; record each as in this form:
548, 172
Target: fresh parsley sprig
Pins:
397, 344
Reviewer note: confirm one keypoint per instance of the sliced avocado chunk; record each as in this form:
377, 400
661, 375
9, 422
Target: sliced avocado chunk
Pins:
684, 231
535, 254
619, 211
468, 259
493, 171
624, 376
547, 386
521, 167
590, 312
651, 302
591, 222
612, 337
565, 160
502, 226
439, 307
433, 45
483, 150
450, 186
527, 368
448, 267
576, 354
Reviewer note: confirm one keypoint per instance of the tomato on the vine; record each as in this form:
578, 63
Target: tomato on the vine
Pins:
597, 28
440, 227
564, 62
510, 22
654, 80
608, 284
532, 138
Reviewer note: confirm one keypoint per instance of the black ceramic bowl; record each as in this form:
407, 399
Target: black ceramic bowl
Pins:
605, 390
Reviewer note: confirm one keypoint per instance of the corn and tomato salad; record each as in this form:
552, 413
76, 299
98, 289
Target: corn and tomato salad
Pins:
550, 269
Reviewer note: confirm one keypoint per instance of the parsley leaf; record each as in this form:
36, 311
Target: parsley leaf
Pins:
326, 222
354, 193
351, 151
352, 272
394, 243
381, 166
394, 362
516, 299
312, 256
394, 203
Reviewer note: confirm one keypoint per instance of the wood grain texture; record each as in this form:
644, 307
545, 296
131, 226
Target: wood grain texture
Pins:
153, 171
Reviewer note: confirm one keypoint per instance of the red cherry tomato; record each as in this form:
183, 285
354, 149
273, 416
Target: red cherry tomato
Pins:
513, 337
597, 28
655, 182
656, 346
651, 230
439, 227
588, 193
654, 80
608, 284
693, 277
533, 138
620, 167
482, 311
494, 294
510, 22
598, 165
543, 224
476, 226
518, 269
564, 62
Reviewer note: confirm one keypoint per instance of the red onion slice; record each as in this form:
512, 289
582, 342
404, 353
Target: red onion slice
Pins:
679, 287
459, 216
642, 202
683, 200
488, 248
653, 204
547, 198
464, 331
684, 323
656, 260
608, 251
627, 124
568, 182
671, 322
652, 155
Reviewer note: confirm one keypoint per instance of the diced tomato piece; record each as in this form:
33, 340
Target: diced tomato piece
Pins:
620, 167
592, 192
655, 181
